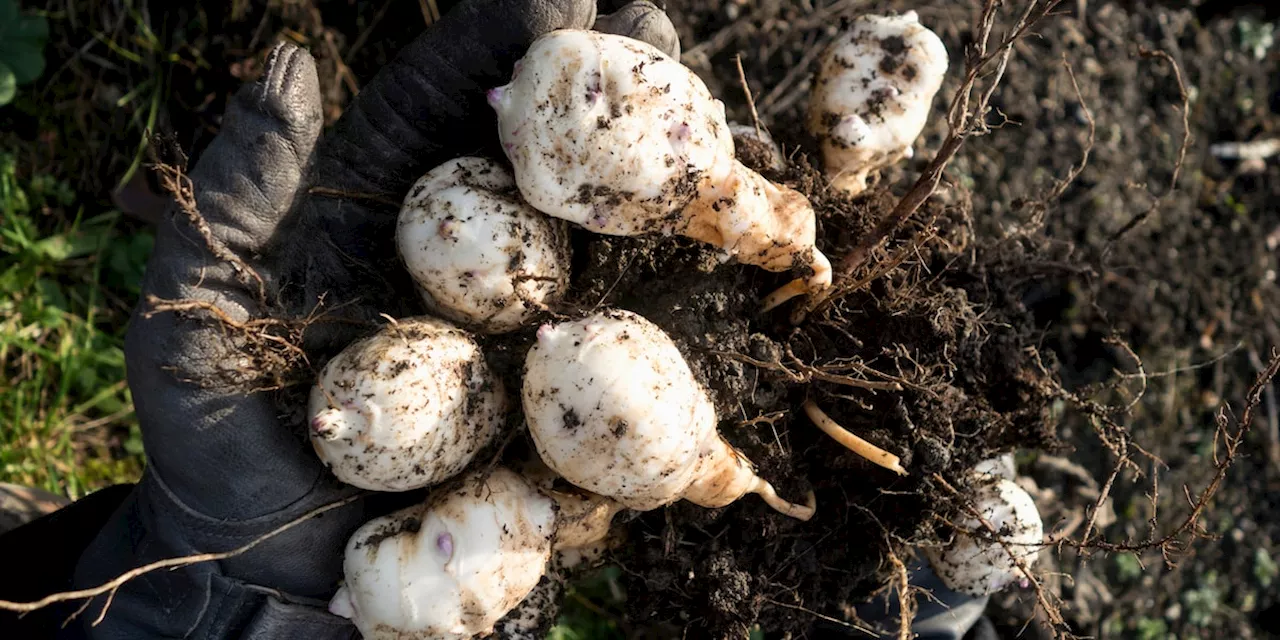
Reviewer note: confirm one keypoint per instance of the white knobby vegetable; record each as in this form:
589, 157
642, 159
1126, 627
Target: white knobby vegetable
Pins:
613, 408
612, 134
481, 256
406, 407
450, 568
979, 563
872, 95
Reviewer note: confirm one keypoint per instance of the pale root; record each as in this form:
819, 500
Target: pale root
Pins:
851, 441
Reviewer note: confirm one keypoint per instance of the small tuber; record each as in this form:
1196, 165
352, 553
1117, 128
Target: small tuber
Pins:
406, 407
613, 408
872, 94
451, 567
481, 257
614, 135
978, 562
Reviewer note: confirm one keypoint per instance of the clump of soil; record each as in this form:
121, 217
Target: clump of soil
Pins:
943, 327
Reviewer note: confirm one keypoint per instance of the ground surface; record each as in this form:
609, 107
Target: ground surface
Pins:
1190, 288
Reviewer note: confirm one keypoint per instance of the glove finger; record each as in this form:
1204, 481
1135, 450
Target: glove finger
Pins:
246, 180
222, 453
642, 20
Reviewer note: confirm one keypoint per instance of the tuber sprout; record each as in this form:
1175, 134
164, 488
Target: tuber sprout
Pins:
613, 135
613, 408
872, 95
481, 256
851, 441
449, 568
978, 562
406, 407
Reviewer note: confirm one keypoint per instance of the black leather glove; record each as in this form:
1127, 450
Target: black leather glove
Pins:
316, 222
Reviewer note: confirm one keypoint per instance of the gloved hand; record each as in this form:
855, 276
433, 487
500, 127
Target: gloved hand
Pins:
316, 223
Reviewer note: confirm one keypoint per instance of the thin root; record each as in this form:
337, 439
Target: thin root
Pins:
816, 284
852, 442
788, 291
799, 512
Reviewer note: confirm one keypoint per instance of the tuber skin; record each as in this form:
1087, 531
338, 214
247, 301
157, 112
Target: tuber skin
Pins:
406, 407
614, 409
615, 136
481, 257
872, 95
977, 563
456, 565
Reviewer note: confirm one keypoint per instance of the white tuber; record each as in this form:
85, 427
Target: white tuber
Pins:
406, 407
979, 563
872, 95
613, 408
450, 568
481, 256
530, 619
613, 135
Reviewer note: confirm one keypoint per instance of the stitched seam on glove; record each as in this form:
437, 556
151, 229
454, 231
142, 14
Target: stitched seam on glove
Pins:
202, 526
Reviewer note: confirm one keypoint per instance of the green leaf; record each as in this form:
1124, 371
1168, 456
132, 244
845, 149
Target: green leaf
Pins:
69, 245
8, 84
22, 40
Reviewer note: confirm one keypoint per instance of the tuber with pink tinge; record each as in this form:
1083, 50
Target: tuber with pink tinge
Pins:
454, 566
613, 135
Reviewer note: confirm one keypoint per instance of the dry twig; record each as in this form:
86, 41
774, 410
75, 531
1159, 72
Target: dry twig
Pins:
1185, 110
175, 181
1188, 530
746, 90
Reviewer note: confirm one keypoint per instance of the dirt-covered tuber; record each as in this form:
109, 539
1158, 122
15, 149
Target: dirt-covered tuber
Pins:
452, 567
978, 562
613, 135
872, 95
614, 408
481, 257
406, 407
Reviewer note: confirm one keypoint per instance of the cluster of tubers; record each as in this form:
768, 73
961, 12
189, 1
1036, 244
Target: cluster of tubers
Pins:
612, 135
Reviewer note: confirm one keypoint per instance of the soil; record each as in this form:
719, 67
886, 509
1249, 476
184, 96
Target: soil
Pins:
1012, 311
